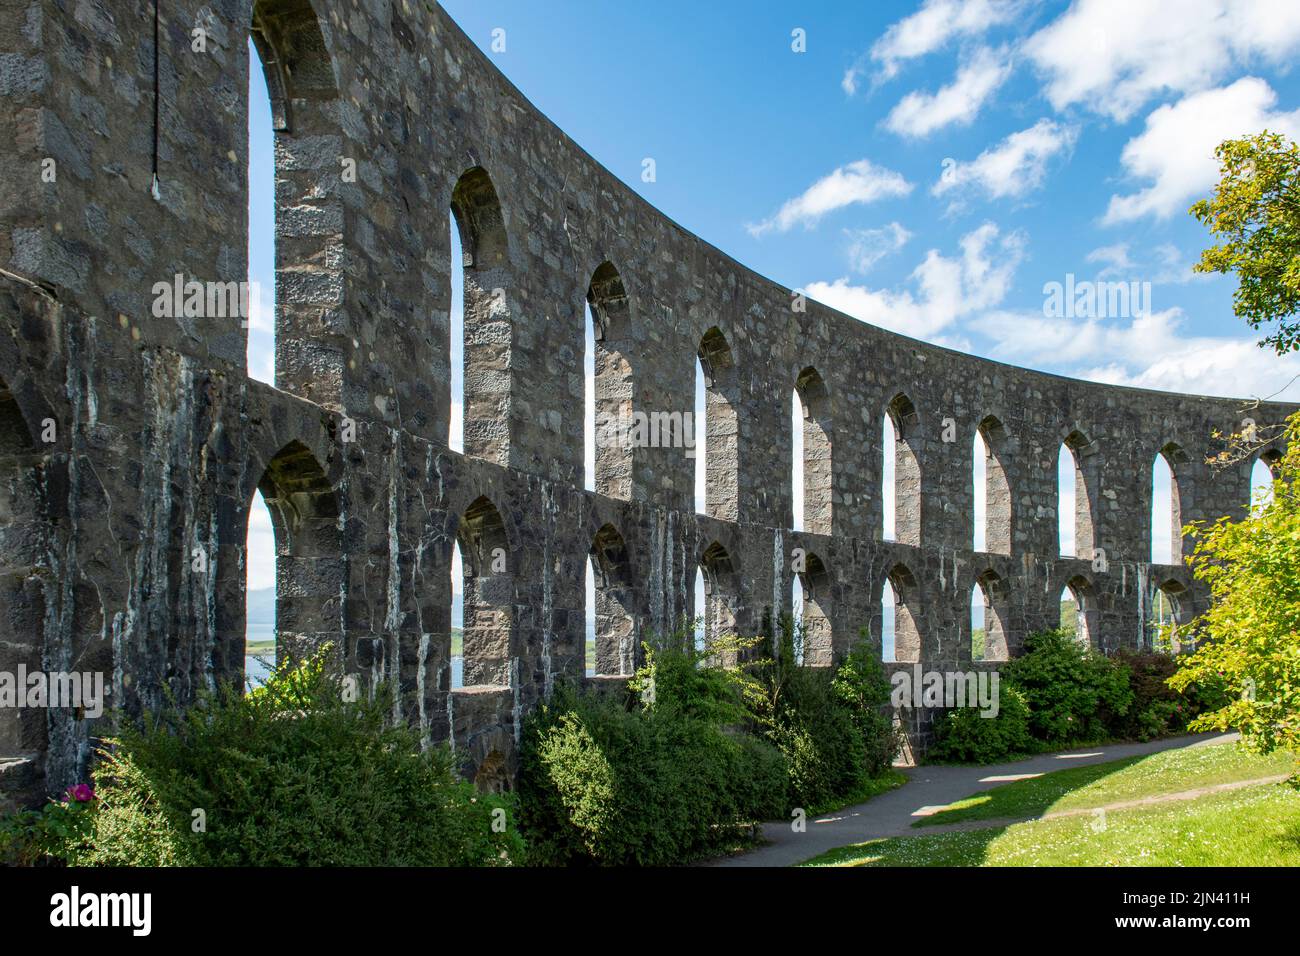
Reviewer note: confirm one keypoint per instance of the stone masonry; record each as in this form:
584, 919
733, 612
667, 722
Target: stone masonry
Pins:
132, 442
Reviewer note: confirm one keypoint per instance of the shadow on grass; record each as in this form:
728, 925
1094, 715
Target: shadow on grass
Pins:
1025, 798
961, 848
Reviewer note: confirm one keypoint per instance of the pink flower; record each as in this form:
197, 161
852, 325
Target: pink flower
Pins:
81, 793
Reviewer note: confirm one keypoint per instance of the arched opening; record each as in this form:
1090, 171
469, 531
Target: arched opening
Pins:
306, 355
488, 594
810, 606
992, 494
812, 426
493, 774
721, 431
900, 636
487, 337
457, 653
901, 486
610, 384
796, 462
1261, 481
988, 637
259, 595
698, 631
302, 508
1079, 612
588, 618
1166, 508
261, 226
1074, 499
456, 338
615, 637
1165, 617
717, 609
796, 615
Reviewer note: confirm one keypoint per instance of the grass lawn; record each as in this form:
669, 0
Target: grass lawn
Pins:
1187, 768
1254, 826
1257, 825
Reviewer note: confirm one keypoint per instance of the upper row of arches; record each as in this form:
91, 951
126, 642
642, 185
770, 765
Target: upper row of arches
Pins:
480, 317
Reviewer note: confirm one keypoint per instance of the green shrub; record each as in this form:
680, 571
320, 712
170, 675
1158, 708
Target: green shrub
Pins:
656, 785
1158, 710
50, 834
289, 775
816, 732
965, 736
1074, 693
863, 687
830, 724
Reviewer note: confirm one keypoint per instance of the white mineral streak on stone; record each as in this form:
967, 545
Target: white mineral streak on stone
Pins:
92, 400
517, 706
209, 639
343, 581
118, 656
778, 569
451, 721
667, 578
426, 736
655, 580
1143, 575
392, 619
548, 516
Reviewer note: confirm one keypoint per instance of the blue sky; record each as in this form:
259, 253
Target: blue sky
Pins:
926, 167
1075, 135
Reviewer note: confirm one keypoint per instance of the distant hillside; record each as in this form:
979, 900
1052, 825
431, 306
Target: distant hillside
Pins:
261, 607
261, 617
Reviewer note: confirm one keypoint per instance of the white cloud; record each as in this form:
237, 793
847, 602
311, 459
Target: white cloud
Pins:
1172, 268
1176, 150
929, 29
1113, 56
1014, 166
869, 246
1165, 266
1116, 259
858, 182
919, 114
947, 288
1151, 351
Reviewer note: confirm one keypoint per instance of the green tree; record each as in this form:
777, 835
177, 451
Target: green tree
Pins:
1256, 212
1249, 638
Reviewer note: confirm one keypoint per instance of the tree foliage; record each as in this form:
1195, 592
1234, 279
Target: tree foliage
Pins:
1250, 635
1256, 212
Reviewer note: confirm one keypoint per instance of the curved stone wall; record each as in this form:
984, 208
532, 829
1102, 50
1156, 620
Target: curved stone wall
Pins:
124, 533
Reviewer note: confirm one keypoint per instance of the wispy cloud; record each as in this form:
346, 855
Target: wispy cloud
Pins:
1175, 151
920, 114
1013, 167
1113, 56
930, 28
869, 246
947, 288
858, 182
